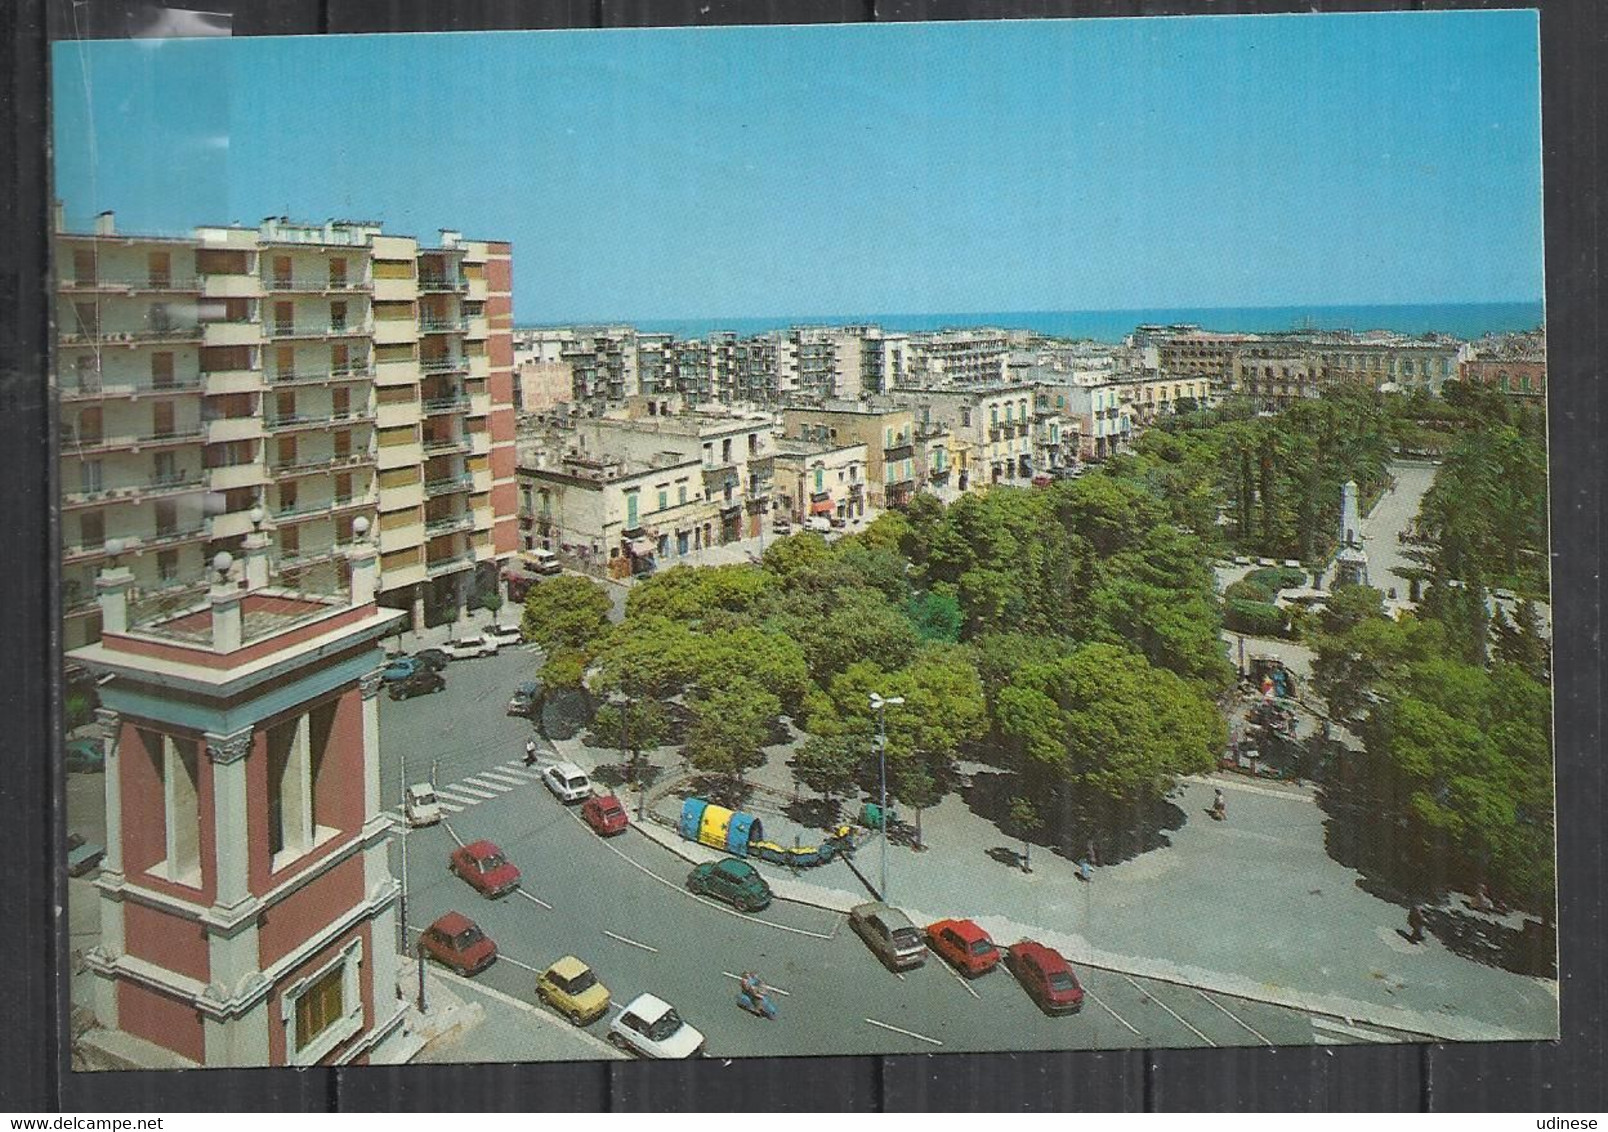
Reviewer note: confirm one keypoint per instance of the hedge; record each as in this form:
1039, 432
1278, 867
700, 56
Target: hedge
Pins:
1247, 590
1277, 578
1258, 618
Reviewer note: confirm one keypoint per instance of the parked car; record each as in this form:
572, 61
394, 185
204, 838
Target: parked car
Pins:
466, 648
889, 933
85, 755
568, 782
506, 635
964, 946
605, 814
1046, 977
433, 659
420, 682
421, 806
399, 668
486, 869
525, 698
649, 1026
736, 882
782, 526
543, 562
818, 523
570, 987
457, 942
82, 856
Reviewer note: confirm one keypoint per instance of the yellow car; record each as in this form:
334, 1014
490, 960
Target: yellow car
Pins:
570, 988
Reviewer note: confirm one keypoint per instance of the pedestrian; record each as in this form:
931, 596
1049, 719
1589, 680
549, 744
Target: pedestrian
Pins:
530, 752
1415, 924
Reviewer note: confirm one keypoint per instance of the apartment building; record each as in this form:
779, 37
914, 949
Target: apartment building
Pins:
888, 432
994, 423
1152, 395
640, 487
1191, 352
1515, 364
603, 365
820, 479
958, 357
1101, 421
297, 376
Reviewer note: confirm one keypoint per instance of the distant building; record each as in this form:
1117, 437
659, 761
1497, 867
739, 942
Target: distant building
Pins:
887, 431
820, 479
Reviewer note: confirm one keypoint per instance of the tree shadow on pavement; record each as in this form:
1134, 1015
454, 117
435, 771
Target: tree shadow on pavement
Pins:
815, 813
1528, 950
1097, 829
719, 789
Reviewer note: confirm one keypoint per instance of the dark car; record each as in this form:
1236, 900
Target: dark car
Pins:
525, 699
605, 815
433, 659
457, 941
486, 869
399, 668
421, 681
736, 882
82, 856
1046, 977
86, 755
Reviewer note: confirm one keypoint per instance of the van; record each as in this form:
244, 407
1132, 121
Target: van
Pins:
568, 782
543, 562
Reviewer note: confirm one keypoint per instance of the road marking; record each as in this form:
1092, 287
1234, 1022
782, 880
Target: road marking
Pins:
630, 942
1111, 1012
499, 787
533, 899
739, 978
452, 832
454, 798
693, 895
959, 978
1260, 1036
518, 963
906, 1033
510, 1000
521, 776
504, 777
448, 806
460, 788
1331, 1027
1171, 1011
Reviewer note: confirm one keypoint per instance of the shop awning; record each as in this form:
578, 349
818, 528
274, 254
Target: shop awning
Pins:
822, 507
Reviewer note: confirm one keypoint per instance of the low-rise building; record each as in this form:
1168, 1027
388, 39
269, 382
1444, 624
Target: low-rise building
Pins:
820, 478
887, 431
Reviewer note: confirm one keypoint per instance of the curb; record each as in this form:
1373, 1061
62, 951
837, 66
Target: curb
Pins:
1078, 950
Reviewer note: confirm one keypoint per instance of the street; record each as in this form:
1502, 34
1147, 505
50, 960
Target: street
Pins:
620, 906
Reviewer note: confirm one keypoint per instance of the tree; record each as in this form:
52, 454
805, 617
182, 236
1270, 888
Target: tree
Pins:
829, 765
1104, 719
491, 601
689, 594
1522, 641
729, 728
564, 668
566, 612
1025, 817
935, 615
634, 726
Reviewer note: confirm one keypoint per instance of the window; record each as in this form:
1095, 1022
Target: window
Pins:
162, 419
160, 318
281, 266
91, 529
87, 316
167, 566
681, 493
165, 471
174, 761
819, 474
84, 267
167, 518
295, 756
337, 273
664, 500
337, 316
753, 444
725, 451
159, 266
89, 477
325, 1009
631, 520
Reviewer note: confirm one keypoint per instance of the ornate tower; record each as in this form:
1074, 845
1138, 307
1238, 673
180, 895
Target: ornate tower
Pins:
247, 909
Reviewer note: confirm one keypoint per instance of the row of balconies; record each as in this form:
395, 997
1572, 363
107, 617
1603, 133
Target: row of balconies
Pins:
74, 443
152, 487
302, 512
160, 539
288, 330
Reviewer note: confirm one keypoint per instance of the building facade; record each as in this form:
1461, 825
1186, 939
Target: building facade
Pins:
820, 479
320, 373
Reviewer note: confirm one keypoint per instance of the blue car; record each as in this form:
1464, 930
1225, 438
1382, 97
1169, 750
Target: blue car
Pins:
85, 755
399, 669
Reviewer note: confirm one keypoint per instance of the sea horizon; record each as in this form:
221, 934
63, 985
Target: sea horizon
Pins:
1465, 321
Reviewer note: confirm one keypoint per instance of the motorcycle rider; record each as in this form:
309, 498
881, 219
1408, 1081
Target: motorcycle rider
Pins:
1220, 806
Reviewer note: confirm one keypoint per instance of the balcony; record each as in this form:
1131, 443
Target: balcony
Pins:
317, 464
443, 365
316, 285
232, 333
448, 564
446, 405
156, 487
301, 559
247, 473
445, 524
441, 284
448, 485
132, 284
293, 421
443, 445
175, 536
443, 325
149, 336
287, 331
323, 375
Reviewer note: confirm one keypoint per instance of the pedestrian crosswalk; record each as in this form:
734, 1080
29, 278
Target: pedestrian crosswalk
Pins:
481, 786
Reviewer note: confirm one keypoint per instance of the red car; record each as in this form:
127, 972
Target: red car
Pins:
483, 865
605, 814
964, 945
1046, 976
458, 942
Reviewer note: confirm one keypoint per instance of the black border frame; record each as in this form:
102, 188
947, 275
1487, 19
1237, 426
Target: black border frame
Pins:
1541, 1076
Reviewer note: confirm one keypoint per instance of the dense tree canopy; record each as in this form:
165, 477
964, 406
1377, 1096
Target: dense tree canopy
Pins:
566, 612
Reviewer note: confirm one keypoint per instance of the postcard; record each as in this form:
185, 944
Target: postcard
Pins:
786, 541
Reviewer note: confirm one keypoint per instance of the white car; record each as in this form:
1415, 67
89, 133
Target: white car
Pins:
568, 782
818, 523
650, 1027
467, 647
422, 806
505, 634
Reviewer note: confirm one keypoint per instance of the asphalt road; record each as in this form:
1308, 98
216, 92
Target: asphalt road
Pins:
620, 906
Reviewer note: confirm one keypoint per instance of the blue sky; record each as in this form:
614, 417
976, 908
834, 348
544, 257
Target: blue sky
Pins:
1010, 166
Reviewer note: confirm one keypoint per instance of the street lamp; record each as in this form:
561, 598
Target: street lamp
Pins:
877, 704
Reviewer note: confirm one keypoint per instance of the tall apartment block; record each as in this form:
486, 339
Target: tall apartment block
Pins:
299, 376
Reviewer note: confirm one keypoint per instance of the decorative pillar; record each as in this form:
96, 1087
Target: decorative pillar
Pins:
227, 754
255, 552
110, 881
228, 630
111, 591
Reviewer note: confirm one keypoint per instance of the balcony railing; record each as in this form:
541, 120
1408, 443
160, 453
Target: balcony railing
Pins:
448, 485
187, 332
315, 283
300, 558
321, 374
181, 284
443, 365
357, 329
98, 388
317, 464
446, 405
443, 325
442, 283
434, 566
437, 445
447, 523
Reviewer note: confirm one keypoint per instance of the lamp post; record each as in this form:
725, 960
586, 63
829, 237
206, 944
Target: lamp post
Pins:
877, 704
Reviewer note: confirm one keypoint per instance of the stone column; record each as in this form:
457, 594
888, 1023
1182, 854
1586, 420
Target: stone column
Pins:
227, 754
234, 962
110, 881
369, 687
